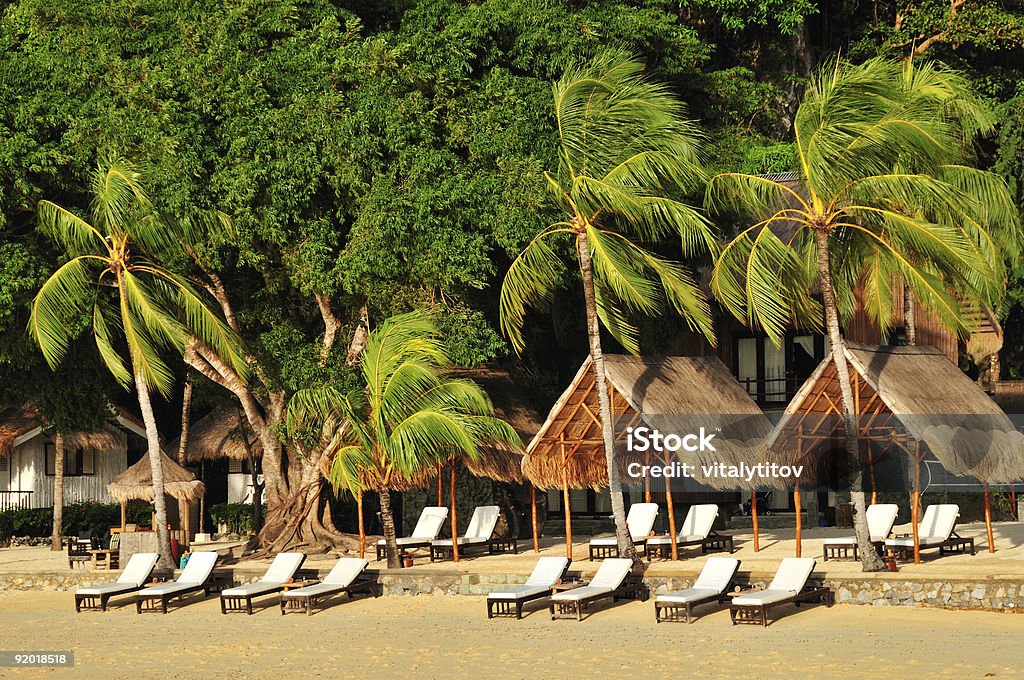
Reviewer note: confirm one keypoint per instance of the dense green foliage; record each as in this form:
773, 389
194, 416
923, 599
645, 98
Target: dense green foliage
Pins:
97, 518
237, 517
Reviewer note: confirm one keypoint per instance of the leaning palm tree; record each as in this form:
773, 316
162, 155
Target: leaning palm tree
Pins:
113, 285
406, 418
880, 198
626, 152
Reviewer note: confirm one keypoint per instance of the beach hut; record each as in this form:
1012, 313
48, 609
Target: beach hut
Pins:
910, 399
224, 434
679, 395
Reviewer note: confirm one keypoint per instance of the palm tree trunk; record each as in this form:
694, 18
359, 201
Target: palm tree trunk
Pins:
623, 539
163, 537
185, 507
57, 537
869, 558
388, 520
909, 322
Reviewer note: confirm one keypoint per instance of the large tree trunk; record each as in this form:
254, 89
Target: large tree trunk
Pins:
185, 507
388, 520
623, 539
868, 556
57, 537
163, 537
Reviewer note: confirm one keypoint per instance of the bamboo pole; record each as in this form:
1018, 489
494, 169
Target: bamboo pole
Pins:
124, 516
362, 526
647, 488
988, 521
871, 470
753, 517
565, 497
440, 488
533, 508
671, 518
187, 521
455, 526
915, 504
799, 520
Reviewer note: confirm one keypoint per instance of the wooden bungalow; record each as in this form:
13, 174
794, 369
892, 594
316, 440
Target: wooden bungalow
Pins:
909, 400
224, 434
672, 394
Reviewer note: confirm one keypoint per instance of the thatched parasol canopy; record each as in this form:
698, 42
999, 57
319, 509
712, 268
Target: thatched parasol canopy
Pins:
910, 397
136, 483
673, 394
219, 434
15, 423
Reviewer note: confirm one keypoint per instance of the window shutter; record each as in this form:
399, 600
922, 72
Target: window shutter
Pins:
235, 467
51, 460
3, 465
88, 461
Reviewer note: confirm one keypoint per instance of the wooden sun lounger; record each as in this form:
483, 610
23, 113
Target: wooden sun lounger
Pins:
131, 580
710, 586
509, 602
937, 530
639, 521
240, 599
612, 581
426, 531
880, 519
479, 535
345, 578
750, 613
788, 587
194, 578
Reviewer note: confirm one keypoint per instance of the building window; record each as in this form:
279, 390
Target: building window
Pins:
4, 465
77, 462
770, 374
235, 467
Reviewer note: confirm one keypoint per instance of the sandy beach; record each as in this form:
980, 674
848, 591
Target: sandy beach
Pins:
436, 637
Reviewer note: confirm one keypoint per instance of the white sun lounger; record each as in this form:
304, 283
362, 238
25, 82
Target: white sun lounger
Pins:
283, 568
609, 582
880, 518
193, 578
710, 586
132, 579
479, 534
639, 521
789, 585
427, 528
936, 530
697, 529
548, 572
343, 578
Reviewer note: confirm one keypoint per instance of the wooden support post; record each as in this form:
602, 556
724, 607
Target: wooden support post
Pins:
186, 524
799, 519
915, 504
871, 471
671, 518
362, 526
988, 521
565, 498
440, 487
533, 508
753, 517
647, 488
124, 516
1013, 502
455, 526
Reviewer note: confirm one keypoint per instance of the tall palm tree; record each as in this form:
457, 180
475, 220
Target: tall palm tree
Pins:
405, 419
881, 198
57, 534
113, 284
626, 152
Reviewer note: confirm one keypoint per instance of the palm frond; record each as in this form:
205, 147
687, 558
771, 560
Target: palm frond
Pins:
530, 282
62, 299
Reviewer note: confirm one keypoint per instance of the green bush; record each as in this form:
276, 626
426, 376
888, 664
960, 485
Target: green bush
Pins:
78, 518
237, 517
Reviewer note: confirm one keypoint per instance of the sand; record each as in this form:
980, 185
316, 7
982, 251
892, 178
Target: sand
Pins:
450, 637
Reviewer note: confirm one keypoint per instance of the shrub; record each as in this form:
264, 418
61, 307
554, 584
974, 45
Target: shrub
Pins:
238, 517
78, 518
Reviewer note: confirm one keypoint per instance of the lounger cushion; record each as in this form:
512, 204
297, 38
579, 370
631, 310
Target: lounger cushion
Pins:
427, 528
283, 567
107, 589
168, 589
909, 541
717, 573
462, 541
792, 574
688, 595
548, 571
841, 540
641, 517
251, 589
345, 571
517, 592
138, 569
583, 593
612, 573
613, 541
667, 540
482, 523
764, 597
315, 589
407, 541
198, 568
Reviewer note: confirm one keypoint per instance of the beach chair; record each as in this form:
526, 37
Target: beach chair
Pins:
283, 568
80, 550
548, 572
697, 529
193, 578
343, 578
788, 586
427, 528
710, 586
937, 529
880, 518
131, 580
612, 580
639, 520
479, 534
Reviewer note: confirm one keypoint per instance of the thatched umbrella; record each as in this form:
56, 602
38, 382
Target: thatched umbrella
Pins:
672, 394
136, 483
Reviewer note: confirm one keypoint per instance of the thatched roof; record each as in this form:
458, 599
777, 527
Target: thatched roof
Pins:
136, 483
906, 396
219, 434
673, 394
16, 423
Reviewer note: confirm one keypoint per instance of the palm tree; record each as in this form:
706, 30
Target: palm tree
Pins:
625, 151
57, 534
881, 199
113, 284
406, 418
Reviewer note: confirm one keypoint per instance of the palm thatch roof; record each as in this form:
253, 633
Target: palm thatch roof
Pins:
221, 433
676, 395
16, 423
136, 483
911, 397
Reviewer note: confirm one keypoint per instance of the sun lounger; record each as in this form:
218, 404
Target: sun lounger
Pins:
343, 578
697, 529
479, 535
710, 586
131, 580
788, 586
936, 530
80, 550
239, 599
427, 528
880, 518
611, 581
193, 579
640, 522
548, 572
